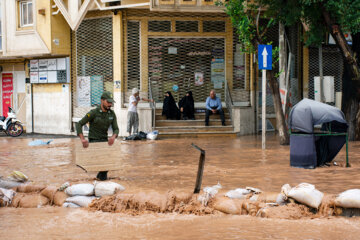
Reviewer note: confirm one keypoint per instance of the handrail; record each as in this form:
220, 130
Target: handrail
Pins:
228, 101
152, 106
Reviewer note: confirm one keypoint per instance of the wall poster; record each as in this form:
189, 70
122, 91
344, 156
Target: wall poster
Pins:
83, 91
7, 91
199, 78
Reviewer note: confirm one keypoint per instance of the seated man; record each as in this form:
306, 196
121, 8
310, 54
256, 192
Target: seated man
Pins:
213, 106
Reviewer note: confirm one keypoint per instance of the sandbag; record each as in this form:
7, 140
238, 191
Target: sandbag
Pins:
18, 176
55, 197
49, 192
228, 206
29, 200
239, 193
60, 198
307, 194
6, 196
82, 201
267, 197
107, 188
82, 189
29, 188
70, 205
7, 183
348, 199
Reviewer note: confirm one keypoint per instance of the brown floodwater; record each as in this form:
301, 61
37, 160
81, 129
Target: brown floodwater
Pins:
171, 164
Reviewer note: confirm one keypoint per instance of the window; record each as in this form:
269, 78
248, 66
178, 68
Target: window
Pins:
26, 13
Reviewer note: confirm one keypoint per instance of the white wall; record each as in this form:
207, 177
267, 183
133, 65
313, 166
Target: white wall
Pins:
20, 43
51, 110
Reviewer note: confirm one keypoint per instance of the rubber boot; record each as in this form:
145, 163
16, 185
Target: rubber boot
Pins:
102, 176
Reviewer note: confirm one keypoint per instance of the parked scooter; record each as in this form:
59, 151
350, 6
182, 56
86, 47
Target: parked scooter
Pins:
10, 124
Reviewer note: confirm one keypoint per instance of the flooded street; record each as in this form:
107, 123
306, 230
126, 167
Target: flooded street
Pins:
171, 164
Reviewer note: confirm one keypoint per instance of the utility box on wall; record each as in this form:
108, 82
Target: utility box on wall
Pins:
328, 88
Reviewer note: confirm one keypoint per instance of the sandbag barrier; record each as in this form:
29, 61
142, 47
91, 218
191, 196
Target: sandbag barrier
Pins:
297, 202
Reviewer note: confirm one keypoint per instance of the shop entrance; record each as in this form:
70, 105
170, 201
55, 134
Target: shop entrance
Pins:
186, 64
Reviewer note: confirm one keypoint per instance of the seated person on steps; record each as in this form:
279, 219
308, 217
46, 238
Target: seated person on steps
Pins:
213, 106
170, 110
186, 105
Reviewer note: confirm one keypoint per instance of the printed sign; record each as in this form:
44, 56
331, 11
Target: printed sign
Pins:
97, 88
34, 77
83, 91
217, 70
265, 57
51, 64
43, 64
43, 77
34, 65
7, 91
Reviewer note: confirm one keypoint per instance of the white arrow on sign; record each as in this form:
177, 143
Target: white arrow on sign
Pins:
264, 54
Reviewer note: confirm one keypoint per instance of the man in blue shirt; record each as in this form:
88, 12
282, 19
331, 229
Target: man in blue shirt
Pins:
213, 106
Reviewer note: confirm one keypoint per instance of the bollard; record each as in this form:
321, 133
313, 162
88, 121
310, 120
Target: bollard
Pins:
200, 169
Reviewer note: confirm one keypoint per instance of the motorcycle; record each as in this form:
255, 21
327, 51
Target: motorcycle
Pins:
10, 124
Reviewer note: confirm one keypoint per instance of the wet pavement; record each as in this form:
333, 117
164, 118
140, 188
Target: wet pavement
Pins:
172, 165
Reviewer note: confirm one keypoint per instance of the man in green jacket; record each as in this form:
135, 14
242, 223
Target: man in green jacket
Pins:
100, 119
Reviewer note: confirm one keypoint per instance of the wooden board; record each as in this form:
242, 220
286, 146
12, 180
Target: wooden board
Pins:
99, 156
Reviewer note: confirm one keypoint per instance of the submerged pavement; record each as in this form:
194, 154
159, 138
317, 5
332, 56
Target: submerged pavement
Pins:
171, 164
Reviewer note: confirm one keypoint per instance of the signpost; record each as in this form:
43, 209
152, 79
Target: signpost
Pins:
265, 63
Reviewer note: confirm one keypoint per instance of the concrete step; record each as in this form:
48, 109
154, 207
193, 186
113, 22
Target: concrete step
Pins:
195, 129
159, 110
199, 122
198, 116
165, 135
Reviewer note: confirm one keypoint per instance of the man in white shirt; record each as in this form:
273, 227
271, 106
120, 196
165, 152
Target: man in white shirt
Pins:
132, 116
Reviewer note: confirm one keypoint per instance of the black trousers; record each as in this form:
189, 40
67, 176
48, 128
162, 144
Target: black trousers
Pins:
209, 112
103, 174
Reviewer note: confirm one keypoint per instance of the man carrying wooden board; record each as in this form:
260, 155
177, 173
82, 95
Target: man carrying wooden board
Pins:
100, 120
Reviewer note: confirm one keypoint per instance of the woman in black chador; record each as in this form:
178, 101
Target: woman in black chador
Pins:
170, 110
186, 106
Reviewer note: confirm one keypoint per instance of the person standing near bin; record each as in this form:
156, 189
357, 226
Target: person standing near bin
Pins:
100, 119
132, 116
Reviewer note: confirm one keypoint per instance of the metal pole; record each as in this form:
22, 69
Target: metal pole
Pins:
200, 169
347, 151
321, 90
263, 105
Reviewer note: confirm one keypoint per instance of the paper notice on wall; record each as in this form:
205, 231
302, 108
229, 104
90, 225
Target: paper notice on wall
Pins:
43, 64
199, 78
61, 64
97, 88
217, 70
83, 91
218, 85
34, 77
51, 65
43, 77
34, 65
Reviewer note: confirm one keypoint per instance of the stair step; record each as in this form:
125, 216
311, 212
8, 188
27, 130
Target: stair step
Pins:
200, 122
195, 129
231, 134
198, 116
159, 110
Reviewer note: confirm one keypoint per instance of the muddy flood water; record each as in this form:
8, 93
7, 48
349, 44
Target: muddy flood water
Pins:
171, 164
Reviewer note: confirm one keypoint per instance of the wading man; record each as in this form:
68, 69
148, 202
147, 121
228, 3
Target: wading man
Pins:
99, 119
